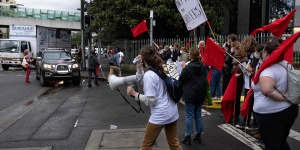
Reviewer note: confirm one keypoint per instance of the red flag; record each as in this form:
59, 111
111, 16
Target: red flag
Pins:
246, 105
209, 75
229, 98
188, 44
139, 29
283, 52
213, 55
278, 26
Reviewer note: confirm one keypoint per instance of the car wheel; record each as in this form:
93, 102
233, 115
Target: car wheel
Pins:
42, 79
37, 75
5, 67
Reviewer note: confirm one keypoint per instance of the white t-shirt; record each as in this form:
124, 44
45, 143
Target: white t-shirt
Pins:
263, 104
121, 54
164, 111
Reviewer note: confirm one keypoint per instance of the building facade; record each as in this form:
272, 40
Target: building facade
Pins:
9, 3
247, 15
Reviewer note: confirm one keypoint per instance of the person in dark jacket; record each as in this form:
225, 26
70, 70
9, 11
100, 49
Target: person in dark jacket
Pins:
227, 69
193, 83
166, 54
93, 62
176, 52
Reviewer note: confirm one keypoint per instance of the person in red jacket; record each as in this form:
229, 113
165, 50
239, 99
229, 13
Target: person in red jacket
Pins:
27, 66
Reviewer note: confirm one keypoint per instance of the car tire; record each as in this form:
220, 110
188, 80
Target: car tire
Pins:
5, 67
42, 79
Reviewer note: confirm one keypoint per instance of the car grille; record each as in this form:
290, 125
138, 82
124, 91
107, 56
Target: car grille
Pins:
62, 68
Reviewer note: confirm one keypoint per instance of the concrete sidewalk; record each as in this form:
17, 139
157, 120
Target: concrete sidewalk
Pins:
122, 139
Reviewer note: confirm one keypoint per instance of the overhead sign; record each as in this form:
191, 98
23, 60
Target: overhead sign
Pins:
191, 12
22, 31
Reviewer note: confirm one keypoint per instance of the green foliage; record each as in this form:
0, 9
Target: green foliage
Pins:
113, 19
76, 39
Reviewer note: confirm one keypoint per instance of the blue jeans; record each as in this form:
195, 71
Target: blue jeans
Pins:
193, 112
215, 82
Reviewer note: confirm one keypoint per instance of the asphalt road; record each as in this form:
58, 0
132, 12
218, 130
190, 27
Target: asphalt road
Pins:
66, 115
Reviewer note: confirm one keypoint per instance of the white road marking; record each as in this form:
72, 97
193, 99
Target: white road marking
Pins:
205, 112
294, 135
76, 123
241, 136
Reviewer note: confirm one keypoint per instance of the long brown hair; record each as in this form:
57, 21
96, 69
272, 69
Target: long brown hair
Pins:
195, 55
149, 55
249, 44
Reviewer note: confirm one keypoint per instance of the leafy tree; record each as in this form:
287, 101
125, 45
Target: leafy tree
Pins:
113, 19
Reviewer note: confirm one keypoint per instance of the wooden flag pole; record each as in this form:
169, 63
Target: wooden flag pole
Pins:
212, 32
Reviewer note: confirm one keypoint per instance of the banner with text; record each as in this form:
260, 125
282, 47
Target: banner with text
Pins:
191, 12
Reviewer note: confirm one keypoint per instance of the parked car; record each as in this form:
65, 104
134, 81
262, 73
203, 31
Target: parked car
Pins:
57, 65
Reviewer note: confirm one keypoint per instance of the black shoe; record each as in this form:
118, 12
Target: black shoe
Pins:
187, 140
89, 85
198, 139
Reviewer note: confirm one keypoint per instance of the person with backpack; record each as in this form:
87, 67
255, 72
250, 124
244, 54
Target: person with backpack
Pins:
164, 111
274, 113
193, 83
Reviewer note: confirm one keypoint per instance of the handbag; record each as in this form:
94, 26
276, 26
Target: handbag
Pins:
24, 63
293, 88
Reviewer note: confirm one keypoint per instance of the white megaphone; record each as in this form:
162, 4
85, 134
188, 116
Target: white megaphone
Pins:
115, 81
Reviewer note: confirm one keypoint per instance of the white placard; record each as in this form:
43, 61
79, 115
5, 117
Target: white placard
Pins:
191, 12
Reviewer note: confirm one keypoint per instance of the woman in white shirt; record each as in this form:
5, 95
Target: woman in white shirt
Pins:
164, 111
274, 113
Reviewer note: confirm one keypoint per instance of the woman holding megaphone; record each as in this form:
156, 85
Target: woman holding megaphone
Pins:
164, 111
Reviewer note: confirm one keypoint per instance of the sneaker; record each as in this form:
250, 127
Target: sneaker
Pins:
239, 126
198, 139
187, 140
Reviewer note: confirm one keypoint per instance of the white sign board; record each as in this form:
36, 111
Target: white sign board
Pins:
16, 31
191, 12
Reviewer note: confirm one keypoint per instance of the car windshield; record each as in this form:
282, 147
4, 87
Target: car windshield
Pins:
57, 56
9, 46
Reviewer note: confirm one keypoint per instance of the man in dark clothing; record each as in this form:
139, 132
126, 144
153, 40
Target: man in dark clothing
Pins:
93, 62
166, 54
227, 69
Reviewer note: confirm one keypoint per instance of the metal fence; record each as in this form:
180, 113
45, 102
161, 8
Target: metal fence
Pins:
21, 12
133, 47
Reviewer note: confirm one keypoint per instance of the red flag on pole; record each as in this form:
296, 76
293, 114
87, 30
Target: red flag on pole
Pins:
283, 52
229, 98
213, 55
277, 27
188, 44
246, 106
139, 29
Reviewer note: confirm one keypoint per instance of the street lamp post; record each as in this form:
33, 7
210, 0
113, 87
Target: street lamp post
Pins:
82, 34
151, 27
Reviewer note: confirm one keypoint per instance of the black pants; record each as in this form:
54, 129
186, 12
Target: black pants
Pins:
274, 128
226, 79
247, 119
237, 105
91, 72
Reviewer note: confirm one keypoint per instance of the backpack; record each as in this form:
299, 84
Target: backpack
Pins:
293, 89
174, 91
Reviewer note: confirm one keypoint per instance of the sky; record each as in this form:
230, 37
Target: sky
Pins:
51, 4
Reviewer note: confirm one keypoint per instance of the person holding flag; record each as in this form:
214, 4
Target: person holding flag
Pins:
274, 113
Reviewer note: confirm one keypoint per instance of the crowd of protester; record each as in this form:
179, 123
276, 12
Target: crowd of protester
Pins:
270, 112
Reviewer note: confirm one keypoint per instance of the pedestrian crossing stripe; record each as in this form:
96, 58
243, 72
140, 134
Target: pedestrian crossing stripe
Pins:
242, 136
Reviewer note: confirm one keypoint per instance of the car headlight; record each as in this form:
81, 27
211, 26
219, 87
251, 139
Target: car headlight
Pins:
75, 66
47, 66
